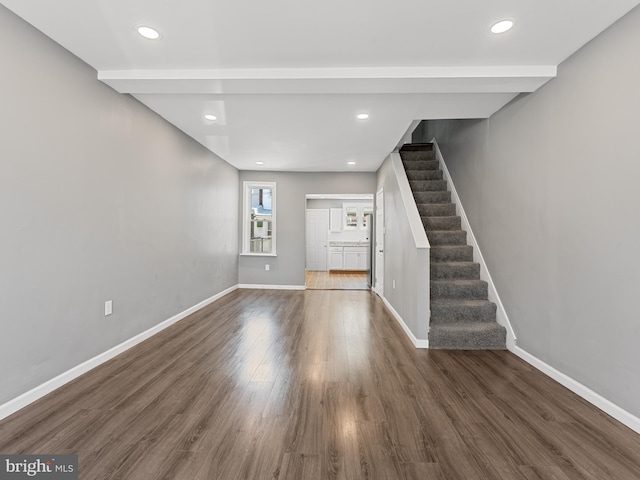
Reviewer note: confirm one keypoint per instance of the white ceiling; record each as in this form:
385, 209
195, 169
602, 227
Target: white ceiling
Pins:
287, 77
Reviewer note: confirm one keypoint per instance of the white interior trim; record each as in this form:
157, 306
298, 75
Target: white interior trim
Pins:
418, 343
271, 287
408, 135
452, 71
589, 395
447, 79
579, 389
501, 314
40, 391
413, 216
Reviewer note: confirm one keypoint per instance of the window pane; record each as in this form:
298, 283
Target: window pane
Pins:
259, 224
366, 211
352, 216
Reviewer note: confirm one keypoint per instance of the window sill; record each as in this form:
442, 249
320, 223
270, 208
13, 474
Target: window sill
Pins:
257, 254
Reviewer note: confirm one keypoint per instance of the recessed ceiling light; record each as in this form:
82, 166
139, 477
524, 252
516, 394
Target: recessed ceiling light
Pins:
148, 32
351, 163
259, 163
502, 26
362, 116
210, 116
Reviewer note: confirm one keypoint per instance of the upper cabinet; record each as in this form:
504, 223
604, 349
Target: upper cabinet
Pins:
335, 220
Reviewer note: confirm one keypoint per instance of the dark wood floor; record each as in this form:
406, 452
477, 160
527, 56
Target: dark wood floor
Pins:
317, 385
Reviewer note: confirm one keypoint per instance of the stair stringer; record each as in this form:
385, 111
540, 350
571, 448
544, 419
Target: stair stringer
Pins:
501, 314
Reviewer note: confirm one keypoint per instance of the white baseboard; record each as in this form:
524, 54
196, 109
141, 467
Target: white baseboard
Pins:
272, 287
501, 313
579, 389
40, 391
418, 343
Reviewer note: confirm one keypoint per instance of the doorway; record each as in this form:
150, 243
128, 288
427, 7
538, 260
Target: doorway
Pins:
338, 241
335, 280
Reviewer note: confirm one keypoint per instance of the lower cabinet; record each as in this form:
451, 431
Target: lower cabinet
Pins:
348, 258
362, 262
336, 258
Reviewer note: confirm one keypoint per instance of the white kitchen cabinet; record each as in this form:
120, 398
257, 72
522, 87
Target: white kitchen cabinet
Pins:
350, 258
355, 258
335, 224
361, 264
336, 258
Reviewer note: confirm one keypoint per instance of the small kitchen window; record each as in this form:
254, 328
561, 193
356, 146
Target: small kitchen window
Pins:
367, 210
259, 218
351, 216
354, 215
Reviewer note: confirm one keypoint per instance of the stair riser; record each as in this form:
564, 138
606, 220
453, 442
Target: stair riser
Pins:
463, 314
424, 174
417, 147
454, 237
443, 289
444, 271
436, 209
462, 253
426, 198
428, 185
421, 164
418, 156
494, 340
442, 223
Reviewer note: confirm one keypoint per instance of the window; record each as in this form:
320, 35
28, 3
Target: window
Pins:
354, 215
259, 218
367, 210
351, 214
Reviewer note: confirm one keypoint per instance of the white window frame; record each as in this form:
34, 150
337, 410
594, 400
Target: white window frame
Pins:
247, 186
359, 208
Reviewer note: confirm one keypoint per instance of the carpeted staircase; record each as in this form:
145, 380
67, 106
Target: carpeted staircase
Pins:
462, 317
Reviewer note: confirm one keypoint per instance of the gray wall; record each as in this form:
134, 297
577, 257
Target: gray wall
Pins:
550, 186
99, 199
287, 268
331, 203
403, 262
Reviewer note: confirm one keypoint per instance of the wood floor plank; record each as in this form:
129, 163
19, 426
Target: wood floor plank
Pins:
313, 385
296, 466
336, 280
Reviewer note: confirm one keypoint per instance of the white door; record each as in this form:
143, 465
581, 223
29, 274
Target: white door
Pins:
379, 244
317, 239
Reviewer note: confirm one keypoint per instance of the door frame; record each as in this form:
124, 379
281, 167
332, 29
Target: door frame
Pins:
378, 284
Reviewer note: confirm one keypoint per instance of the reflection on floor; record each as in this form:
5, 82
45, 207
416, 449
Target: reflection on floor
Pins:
336, 280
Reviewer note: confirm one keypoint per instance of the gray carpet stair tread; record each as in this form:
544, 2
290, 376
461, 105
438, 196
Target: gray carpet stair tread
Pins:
462, 317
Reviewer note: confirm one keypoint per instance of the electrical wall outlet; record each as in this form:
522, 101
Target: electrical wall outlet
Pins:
393, 283
266, 267
108, 307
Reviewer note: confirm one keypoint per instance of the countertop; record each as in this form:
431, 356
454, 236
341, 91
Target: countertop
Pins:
348, 244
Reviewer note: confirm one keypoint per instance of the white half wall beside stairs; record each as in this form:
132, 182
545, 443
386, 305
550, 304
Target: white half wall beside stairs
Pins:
406, 276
